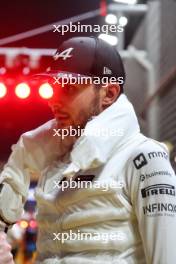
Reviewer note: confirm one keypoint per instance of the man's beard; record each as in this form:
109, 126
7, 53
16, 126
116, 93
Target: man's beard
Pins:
93, 110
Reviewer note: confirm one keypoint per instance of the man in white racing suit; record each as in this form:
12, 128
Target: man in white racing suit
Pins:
106, 193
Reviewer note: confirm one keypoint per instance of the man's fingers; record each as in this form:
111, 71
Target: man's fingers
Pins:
8, 259
6, 256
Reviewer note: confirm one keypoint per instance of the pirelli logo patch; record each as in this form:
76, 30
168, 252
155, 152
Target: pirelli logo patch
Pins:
158, 189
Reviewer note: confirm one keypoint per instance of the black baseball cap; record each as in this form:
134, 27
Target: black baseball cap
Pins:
86, 56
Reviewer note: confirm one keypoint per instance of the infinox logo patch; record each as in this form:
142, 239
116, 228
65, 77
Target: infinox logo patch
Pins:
159, 208
157, 189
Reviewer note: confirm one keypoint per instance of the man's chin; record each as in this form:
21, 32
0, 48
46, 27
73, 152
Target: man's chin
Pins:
63, 124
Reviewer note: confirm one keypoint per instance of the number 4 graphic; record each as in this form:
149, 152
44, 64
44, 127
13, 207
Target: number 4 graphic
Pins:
65, 54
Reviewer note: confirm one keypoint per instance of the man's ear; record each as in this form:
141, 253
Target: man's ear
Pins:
111, 93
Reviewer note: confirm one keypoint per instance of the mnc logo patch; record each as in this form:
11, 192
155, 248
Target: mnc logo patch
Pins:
140, 161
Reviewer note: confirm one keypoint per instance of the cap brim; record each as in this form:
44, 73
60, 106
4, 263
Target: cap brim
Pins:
58, 74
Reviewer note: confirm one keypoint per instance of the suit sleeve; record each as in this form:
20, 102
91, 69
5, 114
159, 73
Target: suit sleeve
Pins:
33, 152
152, 187
14, 184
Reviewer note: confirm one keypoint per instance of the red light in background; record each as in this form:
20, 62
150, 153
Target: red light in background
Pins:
33, 224
3, 90
23, 224
103, 8
46, 91
22, 90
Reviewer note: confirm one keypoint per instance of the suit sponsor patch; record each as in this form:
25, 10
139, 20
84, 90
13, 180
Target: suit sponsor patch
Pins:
158, 189
140, 161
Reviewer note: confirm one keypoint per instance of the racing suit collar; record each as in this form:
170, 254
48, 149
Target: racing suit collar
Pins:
108, 131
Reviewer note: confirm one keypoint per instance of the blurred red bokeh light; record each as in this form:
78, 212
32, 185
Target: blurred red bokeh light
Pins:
3, 90
46, 91
22, 90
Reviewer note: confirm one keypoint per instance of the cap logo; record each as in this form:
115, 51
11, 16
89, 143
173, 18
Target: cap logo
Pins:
65, 54
106, 70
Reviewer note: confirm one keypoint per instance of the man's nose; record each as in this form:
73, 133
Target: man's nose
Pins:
55, 102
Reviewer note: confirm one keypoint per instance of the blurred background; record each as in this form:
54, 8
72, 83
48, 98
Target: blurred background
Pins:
27, 42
